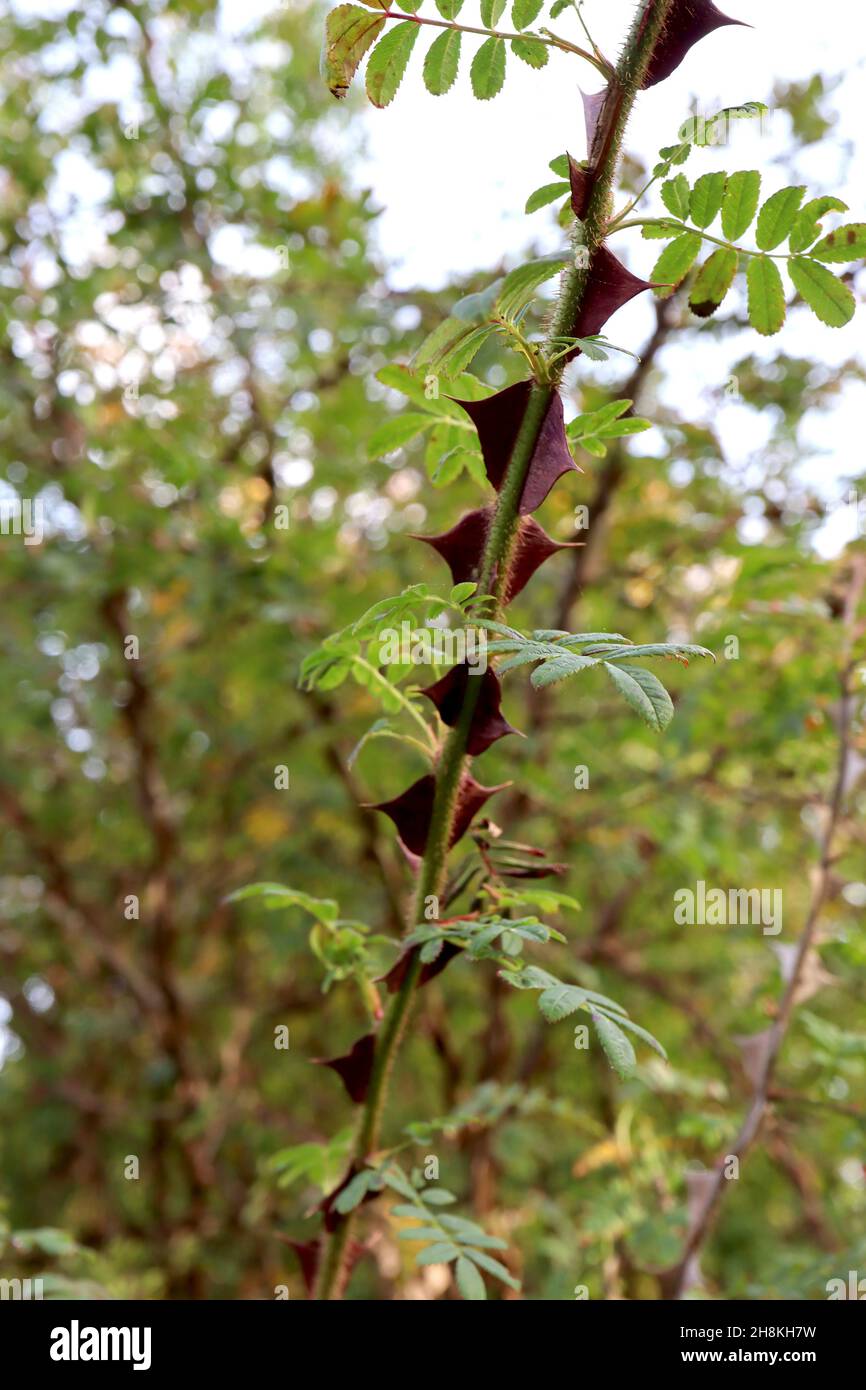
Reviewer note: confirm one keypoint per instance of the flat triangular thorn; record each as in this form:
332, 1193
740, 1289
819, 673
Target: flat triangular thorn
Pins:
498, 419
462, 547
581, 187
609, 287
429, 970
688, 22
592, 105
412, 809
354, 1068
488, 723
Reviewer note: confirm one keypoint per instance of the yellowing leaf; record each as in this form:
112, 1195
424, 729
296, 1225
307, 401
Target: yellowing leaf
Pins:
846, 243
349, 32
828, 298
714, 279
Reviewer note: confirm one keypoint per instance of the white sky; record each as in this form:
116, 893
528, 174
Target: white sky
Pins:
451, 175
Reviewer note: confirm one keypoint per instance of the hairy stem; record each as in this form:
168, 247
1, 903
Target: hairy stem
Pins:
621, 92
546, 36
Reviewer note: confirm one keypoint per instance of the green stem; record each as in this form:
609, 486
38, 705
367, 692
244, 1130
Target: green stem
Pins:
400, 697
624, 85
699, 231
546, 36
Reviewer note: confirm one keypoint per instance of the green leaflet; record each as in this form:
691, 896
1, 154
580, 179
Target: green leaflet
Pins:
520, 284
766, 295
354, 1192
276, 895
548, 193
559, 668
675, 195
660, 231
847, 243
474, 307
706, 198
488, 69
349, 32
807, 225
644, 692
777, 217
828, 298
387, 63
397, 432
493, 1267
591, 430
469, 1281
674, 263
618, 1049
441, 1252
624, 1021
560, 1001
449, 9
740, 202
442, 61
452, 345
531, 51
523, 12
491, 12
713, 281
